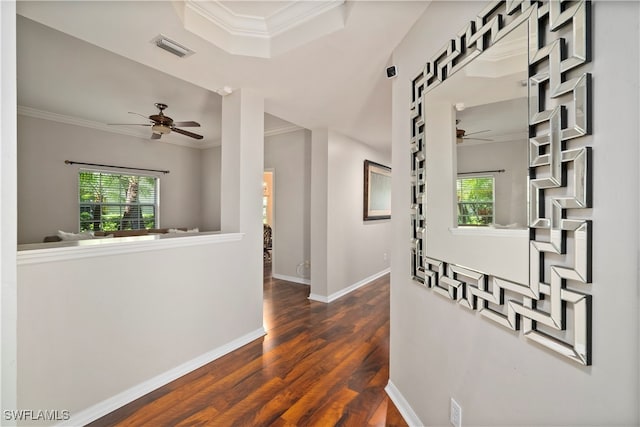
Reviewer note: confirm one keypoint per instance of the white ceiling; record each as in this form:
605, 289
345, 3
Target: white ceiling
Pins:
496, 122
337, 81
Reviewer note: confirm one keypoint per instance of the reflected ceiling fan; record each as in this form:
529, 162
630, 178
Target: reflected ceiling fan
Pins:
162, 125
462, 135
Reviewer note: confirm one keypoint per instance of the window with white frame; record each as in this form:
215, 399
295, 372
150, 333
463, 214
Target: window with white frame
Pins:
111, 201
476, 200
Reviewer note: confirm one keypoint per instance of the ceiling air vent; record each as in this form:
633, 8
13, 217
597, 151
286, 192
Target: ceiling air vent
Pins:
171, 46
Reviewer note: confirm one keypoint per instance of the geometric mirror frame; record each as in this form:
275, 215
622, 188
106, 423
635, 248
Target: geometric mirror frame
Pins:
554, 308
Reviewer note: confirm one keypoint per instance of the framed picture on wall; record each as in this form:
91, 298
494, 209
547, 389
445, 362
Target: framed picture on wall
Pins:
377, 191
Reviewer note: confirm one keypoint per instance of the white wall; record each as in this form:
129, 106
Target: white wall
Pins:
356, 249
289, 155
440, 350
8, 208
89, 333
48, 188
211, 165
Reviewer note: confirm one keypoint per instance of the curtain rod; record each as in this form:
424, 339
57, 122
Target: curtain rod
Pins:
476, 172
71, 162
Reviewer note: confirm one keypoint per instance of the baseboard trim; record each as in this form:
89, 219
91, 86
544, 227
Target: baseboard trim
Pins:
342, 292
111, 404
319, 298
403, 406
293, 279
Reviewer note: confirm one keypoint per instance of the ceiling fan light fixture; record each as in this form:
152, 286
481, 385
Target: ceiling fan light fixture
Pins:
160, 129
162, 125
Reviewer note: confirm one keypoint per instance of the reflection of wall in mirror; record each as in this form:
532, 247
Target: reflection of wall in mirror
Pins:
510, 185
380, 192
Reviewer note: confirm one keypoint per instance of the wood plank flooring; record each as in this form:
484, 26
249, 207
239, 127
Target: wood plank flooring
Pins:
319, 365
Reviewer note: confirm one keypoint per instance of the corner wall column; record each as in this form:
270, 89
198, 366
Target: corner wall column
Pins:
319, 213
242, 162
241, 177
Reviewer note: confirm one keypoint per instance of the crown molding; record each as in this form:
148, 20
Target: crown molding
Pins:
282, 130
285, 19
257, 36
232, 23
61, 118
298, 13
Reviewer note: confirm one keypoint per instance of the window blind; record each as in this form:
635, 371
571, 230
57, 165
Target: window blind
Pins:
110, 201
475, 200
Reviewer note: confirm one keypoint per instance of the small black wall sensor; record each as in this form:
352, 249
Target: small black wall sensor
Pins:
391, 72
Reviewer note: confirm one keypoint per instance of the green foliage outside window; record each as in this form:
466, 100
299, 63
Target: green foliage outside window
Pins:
475, 200
110, 202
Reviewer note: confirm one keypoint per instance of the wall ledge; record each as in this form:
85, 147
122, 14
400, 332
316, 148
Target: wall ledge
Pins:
489, 231
111, 404
38, 253
403, 406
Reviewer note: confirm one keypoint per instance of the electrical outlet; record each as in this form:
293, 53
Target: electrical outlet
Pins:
456, 414
385, 256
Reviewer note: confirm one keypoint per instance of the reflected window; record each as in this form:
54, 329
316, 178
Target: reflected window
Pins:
476, 200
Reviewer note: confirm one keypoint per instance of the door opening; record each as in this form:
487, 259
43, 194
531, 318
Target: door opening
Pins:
267, 214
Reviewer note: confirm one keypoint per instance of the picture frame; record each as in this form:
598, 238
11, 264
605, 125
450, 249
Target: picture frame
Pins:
377, 191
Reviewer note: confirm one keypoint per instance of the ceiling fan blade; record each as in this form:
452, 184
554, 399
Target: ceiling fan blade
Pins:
186, 124
187, 133
474, 133
477, 139
138, 114
128, 124
155, 135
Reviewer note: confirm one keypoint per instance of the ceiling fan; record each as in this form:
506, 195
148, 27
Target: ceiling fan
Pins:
462, 135
161, 124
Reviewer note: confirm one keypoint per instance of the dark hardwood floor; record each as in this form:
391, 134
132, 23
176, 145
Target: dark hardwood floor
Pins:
319, 365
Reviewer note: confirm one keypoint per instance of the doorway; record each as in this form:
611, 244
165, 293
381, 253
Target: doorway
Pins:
267, 197
268, 215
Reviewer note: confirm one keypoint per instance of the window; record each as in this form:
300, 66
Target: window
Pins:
110, 202
475, 200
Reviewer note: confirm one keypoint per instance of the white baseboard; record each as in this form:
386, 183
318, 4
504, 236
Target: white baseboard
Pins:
342, 292
403, 406
111, 404
319, 298
293, 279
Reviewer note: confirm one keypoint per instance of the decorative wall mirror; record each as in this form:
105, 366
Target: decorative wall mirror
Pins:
533, 278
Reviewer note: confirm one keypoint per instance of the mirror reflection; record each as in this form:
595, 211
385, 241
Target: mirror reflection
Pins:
476, 126
489, 100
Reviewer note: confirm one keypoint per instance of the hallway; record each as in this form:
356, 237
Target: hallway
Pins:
319, 365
